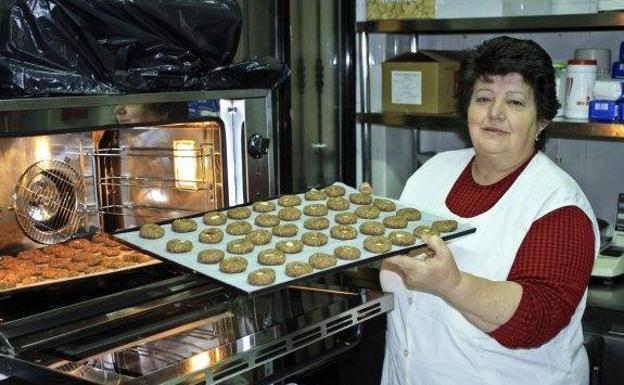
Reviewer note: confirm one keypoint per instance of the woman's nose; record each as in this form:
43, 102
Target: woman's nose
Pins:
497, 110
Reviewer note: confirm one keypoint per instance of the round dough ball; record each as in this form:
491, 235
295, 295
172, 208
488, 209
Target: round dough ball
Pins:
346, 218
395, 222
179, 246
315, 195
233, 265
259, 237
315, 210
238, 228
271, 257
409, 213
210, 256
267, 220
211, 235
297, 269
420, 230
289, 200
263, 207
314, 238
361, 198
343, 232
289, 214
348, 253
316, 223
289, 247
322, 261
287, 230
384, 204
338, 203
334, 191
444, 226
377, 244
402, 238
184, 225
261, 277
151, 231
372, 228
367, 212
240, 246
214, 218
239, 213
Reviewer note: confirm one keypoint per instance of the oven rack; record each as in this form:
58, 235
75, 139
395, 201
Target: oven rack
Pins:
216, 364
170, 164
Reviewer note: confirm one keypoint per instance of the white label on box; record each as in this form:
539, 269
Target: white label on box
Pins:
406, 87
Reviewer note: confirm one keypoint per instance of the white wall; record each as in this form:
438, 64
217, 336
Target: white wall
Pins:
594, 164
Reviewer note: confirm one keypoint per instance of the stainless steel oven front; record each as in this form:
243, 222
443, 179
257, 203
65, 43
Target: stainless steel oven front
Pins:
80, 167
126, 160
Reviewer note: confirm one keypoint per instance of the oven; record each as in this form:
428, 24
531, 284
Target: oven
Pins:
75, 169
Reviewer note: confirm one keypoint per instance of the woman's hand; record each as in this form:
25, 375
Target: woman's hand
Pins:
366, 188
436, 273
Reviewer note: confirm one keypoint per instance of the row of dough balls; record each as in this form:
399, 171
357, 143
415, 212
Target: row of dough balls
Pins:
273, 257
311, 238
317, 222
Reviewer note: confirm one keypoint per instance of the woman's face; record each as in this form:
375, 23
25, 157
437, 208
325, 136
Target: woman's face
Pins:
502, 117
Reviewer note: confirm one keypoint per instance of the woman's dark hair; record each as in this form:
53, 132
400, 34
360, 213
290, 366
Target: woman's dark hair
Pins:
504, 55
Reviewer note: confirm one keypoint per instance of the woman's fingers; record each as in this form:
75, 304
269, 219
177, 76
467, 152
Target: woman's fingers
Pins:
366, 188
435, 243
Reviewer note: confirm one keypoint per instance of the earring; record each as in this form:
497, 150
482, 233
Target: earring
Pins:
539, 131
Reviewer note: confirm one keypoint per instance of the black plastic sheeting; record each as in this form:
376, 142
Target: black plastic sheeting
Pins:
69, 47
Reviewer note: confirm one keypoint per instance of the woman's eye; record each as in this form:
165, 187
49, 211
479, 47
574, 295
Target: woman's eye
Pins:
482, 99
516, 103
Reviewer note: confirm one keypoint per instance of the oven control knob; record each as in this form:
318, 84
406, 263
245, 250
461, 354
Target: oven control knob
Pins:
258, 146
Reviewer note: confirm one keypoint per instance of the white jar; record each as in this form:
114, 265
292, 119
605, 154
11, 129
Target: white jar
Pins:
560, 86
580, 79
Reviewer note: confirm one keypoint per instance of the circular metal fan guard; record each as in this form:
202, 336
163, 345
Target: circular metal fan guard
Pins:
48, 201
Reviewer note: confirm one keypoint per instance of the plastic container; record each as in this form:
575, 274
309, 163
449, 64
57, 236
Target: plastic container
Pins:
563, 7
610, 5
617, 70
560, 84
620, 105
580, 79
526, 7
603, 111
602, 57
608, 89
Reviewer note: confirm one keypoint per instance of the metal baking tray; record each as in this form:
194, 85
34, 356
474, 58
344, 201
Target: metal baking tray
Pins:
50, 282
157, 247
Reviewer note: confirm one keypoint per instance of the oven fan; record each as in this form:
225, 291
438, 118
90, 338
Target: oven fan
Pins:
48, 201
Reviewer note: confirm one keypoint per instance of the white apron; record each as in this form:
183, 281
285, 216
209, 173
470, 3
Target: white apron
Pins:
427, 341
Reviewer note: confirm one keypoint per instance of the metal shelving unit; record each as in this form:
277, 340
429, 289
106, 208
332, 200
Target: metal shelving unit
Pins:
559, 128
582, 22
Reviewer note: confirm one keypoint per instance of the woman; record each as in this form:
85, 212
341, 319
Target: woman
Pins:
502, 305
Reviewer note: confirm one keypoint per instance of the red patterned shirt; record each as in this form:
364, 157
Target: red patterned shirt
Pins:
553, 264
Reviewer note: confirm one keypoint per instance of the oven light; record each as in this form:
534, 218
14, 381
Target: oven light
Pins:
185, 165
200, 361
42, 148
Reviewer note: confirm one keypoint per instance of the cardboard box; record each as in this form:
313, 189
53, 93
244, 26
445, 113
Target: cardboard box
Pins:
428, 9
421, 82
400, 9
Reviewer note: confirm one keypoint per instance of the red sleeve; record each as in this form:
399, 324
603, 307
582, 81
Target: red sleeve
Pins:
553, 265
